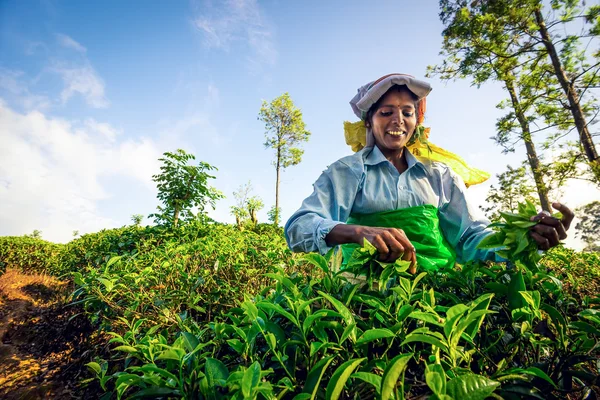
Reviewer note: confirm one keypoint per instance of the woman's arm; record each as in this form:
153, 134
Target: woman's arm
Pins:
328, 206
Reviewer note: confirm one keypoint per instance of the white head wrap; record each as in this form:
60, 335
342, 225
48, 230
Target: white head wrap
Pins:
370, 93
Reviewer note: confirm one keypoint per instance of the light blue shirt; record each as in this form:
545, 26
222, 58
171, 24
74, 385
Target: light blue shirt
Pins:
366, 182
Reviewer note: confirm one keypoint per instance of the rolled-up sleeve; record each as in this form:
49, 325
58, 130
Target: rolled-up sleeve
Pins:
329, 205
463, 225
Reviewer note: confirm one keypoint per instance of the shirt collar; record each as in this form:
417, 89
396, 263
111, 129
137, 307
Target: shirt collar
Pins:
376, 157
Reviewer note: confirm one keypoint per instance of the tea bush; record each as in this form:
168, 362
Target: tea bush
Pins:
196, 273
444, 335
29, 254
476, 332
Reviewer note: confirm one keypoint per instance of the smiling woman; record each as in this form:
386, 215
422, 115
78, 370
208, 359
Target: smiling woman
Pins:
404, 195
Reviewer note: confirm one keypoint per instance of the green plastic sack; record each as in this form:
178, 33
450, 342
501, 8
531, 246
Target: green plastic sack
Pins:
422, 227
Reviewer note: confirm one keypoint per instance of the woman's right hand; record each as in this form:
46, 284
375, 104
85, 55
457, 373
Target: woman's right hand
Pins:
391, 243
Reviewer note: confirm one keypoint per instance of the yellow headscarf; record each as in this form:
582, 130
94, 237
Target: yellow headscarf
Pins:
422, 149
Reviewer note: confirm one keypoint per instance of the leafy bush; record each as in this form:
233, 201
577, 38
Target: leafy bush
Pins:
448, 335
196, 272
28, 254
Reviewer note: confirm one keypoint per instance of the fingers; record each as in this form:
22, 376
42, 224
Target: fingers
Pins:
389, 248
550, 231
543, 243
391, 244
566, 212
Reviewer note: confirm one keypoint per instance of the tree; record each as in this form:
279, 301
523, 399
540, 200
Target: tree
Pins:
553, 69
514, 187
254, 205
284, 131
476, 46
182, 187
246, 206
239, 211
588, 227
272, 214
137, 219
36, 234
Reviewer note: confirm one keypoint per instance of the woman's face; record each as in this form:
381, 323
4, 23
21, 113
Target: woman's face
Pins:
394, 121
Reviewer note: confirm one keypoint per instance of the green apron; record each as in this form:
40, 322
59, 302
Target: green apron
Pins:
422, 227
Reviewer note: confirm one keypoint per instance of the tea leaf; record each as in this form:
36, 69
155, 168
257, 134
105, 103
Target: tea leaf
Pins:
339, 378
471, 386
216, 372
369, 378
315, 375
374, 334
436, 379
250, 379
391, 374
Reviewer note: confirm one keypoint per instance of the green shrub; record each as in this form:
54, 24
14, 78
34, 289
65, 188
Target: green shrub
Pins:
28, 255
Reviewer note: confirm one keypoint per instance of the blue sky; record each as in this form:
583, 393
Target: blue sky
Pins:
92, 93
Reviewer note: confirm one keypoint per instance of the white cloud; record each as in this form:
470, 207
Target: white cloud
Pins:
237, 20
83, 80
51, 172
14, 83
68, 42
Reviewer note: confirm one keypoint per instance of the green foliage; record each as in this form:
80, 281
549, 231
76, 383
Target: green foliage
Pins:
137, 219
514, 187
246, 206
543, 61
449, 336
273, 215
588, 227
306, 332
28, 254
196, 270
284, 131
182, 187
206, 311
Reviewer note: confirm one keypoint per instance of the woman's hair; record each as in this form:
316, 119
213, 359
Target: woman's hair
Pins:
398, 88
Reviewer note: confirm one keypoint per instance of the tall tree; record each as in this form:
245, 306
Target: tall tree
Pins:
182, 187
284, 131
476, 48
555, 70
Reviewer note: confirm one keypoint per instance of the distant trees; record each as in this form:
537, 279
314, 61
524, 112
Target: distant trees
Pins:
272, 214
284, 131
182, 187
246, 205
514, 187
36, 234
137, 219
588, 227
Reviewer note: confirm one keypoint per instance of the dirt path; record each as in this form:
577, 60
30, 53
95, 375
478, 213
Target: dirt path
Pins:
43, 347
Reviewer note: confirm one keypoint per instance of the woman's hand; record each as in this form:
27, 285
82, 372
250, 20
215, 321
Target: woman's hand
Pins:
391, 243
550, 231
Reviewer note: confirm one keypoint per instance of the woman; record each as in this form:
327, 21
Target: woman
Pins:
408, 207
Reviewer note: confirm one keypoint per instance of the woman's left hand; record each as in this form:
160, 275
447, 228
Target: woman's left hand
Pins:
550, 230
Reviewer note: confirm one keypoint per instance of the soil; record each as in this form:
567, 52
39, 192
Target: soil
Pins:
44, 343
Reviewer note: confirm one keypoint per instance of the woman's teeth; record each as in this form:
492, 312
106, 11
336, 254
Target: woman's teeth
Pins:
396, 133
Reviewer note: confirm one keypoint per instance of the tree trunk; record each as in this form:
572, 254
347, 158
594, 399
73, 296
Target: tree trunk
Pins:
532, 157
584, 134
277, 167
175, 216
253, 217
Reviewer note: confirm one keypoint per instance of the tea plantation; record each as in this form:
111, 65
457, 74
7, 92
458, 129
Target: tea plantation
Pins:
207, 311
